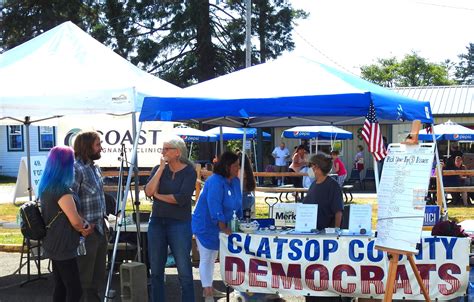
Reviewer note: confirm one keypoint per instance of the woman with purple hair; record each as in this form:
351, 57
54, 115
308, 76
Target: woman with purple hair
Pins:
65, 225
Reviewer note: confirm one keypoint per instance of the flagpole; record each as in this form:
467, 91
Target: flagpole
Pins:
376, 171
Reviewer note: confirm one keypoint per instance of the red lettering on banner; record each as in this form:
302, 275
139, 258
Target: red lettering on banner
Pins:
337, 278
254, 272
370, 274
453, 281
294, 273
402, 280
425, 270
230, 262
323, 277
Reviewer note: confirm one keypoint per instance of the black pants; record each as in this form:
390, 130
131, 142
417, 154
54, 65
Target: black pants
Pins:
67, 285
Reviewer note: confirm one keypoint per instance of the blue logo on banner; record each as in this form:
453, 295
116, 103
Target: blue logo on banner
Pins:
431, 215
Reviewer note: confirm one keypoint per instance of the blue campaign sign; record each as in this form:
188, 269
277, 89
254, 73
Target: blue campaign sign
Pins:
431, 215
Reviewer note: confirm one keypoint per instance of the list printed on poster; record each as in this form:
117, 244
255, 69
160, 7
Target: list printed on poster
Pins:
403, 186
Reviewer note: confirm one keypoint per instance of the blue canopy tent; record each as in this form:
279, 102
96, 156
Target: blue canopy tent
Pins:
291, 91
317, 133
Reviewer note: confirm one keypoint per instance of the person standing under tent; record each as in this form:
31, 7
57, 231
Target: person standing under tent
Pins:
281, 155
339, 168
171, 185
325, 192
59, 211
249, 184
219, 200
298, 162
89, 187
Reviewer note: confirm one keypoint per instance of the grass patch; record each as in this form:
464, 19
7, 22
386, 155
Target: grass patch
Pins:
10, 236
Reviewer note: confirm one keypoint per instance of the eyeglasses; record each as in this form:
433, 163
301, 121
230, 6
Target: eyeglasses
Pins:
165, 149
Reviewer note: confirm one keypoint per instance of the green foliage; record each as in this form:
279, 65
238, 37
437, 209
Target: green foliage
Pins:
25, 19
465, 68
412, 70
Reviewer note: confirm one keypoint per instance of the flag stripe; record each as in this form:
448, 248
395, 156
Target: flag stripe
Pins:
372, 135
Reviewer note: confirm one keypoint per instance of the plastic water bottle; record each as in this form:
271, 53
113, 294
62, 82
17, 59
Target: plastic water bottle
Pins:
234, 223
81, 249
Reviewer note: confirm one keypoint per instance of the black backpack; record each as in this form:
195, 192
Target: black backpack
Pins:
32, 223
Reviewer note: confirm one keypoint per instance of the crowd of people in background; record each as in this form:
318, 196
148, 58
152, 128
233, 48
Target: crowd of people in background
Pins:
74, 206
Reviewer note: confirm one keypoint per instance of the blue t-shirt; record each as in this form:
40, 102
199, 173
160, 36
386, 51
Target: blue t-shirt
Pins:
328, 196
217, 202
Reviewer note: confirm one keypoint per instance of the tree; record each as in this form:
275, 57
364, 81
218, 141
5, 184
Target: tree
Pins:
194, 41
465, 68
22, 20
412, 70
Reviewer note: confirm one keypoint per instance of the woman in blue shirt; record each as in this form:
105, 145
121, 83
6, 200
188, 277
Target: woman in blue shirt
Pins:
219, 199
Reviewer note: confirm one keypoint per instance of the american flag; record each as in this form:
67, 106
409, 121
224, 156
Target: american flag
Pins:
372, 134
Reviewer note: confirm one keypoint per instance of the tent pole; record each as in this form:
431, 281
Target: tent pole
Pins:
190, 151
449, 147
439, 171
377, 176
242, 165
28, 156
255, 156
221, 139
122, 213
136, 135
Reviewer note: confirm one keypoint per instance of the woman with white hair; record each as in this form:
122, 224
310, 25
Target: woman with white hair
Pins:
171, 185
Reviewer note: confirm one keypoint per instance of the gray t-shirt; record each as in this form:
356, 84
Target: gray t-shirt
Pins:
61, 239
328, 196
182, 186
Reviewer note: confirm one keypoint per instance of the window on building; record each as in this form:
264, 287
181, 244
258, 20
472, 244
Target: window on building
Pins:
15, 138
46, 138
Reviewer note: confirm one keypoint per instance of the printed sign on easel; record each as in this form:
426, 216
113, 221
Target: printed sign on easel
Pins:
37, 166
401, 196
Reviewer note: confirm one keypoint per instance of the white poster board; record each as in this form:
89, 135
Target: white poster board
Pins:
360, 219
401, 196
37, 166
284, 214
307, 217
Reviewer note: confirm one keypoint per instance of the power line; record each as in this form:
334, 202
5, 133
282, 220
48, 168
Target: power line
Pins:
322, 53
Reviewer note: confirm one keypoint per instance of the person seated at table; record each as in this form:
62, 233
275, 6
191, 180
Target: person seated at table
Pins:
298, 162
307, 180
325, 192
455, 180
338, 168
219, 199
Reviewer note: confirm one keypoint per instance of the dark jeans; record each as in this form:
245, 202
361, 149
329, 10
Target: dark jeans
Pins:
67, 285
92, 267
177, 234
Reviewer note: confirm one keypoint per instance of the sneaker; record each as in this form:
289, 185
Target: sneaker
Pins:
218, 294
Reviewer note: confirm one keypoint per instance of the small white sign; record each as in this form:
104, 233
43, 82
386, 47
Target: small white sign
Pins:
360, 219
284, 214
307, 217
37, 166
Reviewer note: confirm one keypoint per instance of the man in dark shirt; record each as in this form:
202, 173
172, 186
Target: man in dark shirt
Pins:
325, 192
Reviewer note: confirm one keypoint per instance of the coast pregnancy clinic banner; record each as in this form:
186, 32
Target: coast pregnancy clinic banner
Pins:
346, 266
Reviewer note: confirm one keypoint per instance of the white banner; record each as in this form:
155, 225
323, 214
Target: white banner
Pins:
343, 266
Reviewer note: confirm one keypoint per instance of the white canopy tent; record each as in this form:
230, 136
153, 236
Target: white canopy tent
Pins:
66, 71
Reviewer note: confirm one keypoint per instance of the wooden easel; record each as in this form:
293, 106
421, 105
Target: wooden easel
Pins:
392, 272
412, 139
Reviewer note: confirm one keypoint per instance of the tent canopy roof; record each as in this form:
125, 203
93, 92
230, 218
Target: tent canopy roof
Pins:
290, 91
66, 71
319, 132
448, 131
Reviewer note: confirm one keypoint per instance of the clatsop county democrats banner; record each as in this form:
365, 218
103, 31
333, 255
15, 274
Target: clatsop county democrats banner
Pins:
347, 266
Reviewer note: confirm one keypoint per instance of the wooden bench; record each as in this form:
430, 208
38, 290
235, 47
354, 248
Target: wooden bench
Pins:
463, 189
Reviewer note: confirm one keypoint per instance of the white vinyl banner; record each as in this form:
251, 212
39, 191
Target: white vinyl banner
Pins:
340, 266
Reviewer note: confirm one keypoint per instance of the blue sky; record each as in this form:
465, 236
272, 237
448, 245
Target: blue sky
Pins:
351, 33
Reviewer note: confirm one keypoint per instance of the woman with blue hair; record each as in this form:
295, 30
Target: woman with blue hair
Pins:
64, 224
